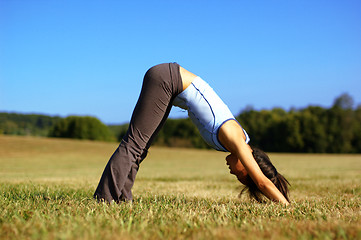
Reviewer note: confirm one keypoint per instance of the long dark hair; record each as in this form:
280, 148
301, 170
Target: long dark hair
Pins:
270, 172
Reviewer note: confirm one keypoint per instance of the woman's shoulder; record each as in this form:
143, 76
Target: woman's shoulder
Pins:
230, 134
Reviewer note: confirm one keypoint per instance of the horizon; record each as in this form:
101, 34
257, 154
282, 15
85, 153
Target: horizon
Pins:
354, 107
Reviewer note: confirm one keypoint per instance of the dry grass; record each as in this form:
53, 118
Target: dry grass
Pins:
46, 187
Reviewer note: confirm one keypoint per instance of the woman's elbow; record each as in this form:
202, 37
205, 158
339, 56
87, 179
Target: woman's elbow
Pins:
263, 184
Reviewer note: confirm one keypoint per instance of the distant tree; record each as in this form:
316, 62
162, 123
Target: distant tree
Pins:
313, 129
180, 133
341, 129
26, 124
356, 138
123, 131
293, 140
81, 128
9, 127
119, 130
262, 127
344, 101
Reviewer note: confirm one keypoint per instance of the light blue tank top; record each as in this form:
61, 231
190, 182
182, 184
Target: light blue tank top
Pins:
206, 110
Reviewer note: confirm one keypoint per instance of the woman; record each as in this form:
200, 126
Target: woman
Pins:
167, 84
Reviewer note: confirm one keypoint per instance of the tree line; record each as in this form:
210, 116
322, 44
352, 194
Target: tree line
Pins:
77, 127
26, 124
312, 129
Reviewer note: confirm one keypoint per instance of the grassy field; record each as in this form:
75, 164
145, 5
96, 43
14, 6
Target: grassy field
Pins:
46, 188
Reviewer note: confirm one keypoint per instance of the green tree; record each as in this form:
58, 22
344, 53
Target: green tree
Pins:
81, 128
26, 124
180, 133
344, 101
312, 126
341, 129
356, 138
293, 138
264, 127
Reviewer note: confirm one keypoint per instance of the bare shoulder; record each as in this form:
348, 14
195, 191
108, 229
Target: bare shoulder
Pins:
187, 77
230, 134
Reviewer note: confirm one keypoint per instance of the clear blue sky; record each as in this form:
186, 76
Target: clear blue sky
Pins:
89, 57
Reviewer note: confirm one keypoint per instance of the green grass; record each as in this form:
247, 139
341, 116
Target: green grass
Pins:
46, 188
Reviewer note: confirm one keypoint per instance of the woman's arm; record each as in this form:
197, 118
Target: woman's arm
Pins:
232, 137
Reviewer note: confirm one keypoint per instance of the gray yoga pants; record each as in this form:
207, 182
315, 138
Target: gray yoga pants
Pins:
161, 84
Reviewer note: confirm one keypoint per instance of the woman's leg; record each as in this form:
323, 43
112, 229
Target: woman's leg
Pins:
160, 85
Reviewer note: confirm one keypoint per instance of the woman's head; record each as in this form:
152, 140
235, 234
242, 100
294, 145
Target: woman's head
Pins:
236, 168
270, 172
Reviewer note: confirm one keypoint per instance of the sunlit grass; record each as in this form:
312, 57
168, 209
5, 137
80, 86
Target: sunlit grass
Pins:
46, 188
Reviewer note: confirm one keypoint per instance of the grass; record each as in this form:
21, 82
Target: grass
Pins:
46, 188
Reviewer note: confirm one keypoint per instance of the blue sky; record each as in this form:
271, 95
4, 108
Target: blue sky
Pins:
89, 57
